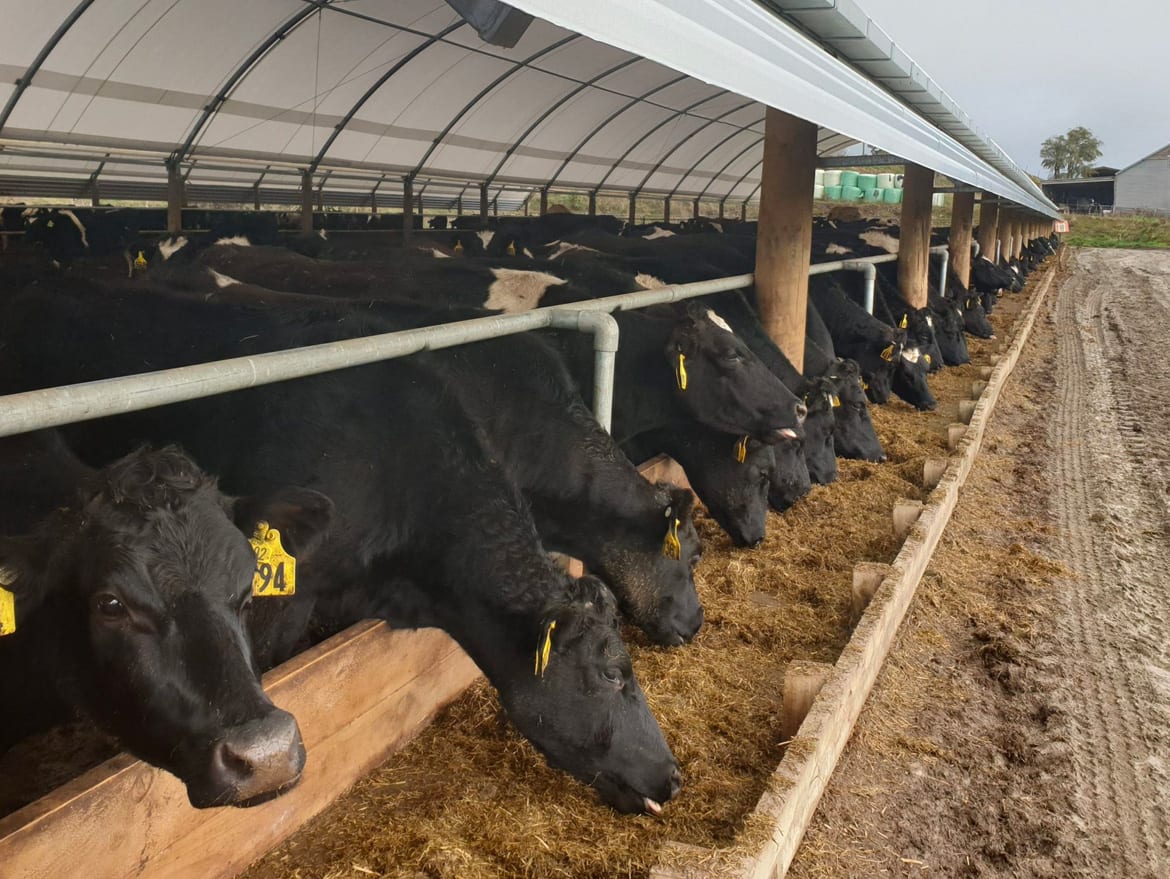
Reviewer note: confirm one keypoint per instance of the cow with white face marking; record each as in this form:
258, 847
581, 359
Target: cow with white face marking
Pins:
71, 234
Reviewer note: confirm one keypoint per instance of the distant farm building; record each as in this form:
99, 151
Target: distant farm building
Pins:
1088, 194
1145, 185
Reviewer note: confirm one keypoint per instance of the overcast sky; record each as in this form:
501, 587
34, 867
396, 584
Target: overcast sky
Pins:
1028, 69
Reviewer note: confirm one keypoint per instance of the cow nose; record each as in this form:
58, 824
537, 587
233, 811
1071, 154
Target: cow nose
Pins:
801, 412
259, 757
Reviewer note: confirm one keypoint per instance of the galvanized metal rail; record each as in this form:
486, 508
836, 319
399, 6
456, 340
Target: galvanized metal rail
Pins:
53, 407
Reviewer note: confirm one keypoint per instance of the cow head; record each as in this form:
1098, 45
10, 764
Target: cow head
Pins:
878, 361
948, 333
854, 435
732, 476
790, 477
975, 319
651, 568
820, 398
573, 694
145, 583
909, 379
724, 385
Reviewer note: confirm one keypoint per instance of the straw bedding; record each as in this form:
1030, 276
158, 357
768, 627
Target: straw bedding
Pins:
469, 798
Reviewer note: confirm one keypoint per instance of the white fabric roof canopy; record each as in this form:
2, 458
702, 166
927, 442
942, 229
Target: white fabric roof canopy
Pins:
372, 90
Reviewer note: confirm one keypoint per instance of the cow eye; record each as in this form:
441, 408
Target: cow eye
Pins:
109, 606
614, 676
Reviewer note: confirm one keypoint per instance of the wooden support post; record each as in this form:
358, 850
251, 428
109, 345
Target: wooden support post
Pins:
743, 219
988, 227
174, 199
374, 201
496, 205
543, 201
955, 433
867, 577
803, 679
966, 410
407, 210
1017, 235
632, 216
784, 232
914, 244
256, 197
721, 203
593, 204
932, 472
666, 209
483, 201
307, 201
962, 215
695, 209
906, 513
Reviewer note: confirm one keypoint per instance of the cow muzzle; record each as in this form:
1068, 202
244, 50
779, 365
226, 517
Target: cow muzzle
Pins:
255, 761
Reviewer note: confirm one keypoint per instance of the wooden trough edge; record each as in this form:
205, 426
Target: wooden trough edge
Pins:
795, 789
358, 697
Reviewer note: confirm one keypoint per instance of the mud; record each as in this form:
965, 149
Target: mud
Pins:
1019, 728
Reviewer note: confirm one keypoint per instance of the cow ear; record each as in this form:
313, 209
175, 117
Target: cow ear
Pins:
301, 515
22, 561
696, 311
682, 502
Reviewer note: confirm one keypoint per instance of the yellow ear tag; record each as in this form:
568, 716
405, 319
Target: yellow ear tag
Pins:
511, 249
741, 449
459, 247
834, 401
49, 225
680, 371
140, 260
671, 548
926, 357
902, 325
7, 608
276, 570
888, 353
864, 385
545, 649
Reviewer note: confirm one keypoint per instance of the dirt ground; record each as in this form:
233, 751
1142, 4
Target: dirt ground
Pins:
1020, 725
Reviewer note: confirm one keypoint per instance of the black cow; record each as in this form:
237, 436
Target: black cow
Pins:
731, 475
853, 432
429, 531
892, 309
130, 587
858, 335
817, 394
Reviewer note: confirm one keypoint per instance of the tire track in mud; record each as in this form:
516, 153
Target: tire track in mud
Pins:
1111, 440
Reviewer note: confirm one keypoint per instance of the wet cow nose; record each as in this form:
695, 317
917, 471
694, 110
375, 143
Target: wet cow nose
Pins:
801, 412
260, 757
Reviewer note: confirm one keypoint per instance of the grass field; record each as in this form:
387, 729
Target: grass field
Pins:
1127, 232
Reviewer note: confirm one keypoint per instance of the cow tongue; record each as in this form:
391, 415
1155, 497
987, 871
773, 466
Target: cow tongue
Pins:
652, 806
788, 433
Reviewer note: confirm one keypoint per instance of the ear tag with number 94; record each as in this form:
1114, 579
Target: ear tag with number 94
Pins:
276, 570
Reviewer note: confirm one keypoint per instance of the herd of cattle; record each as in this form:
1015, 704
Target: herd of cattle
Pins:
425, 491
